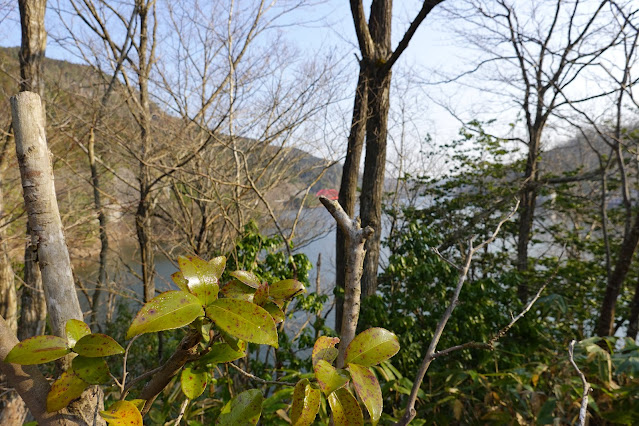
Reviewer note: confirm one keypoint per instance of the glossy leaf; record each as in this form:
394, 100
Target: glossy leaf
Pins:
368, 389
371, 347
223, 352
286, 289
275, 311
306, 403
244, 409
64, 390
38, 350
261, 294
328, 377
325, 349
238, 290
169, 310
248, 278
122, 413
193, 382
97, 345
244, 320
345, 409
76, 330
202, 277
179, 280
94, 371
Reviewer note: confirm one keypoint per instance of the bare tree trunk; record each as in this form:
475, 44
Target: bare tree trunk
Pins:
8, 295
348, 186
42, 208
34, 42
633, 327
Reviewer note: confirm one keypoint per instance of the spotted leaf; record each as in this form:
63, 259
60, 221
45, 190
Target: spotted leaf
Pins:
306, 403
237, 290
261, 294
97, 345
328, 377
202, 276
368, 390
38, 350
286, 289
122, 413
275, 311
243, 320
345, 409
169, 310
371, 347
94, 371
64, 390
325, 349
193, 382
248, 278
179, 280
244, 409
76, 330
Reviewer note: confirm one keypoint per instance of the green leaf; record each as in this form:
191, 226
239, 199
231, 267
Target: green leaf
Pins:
328, 377
179, 280
202, 277
122, 413
371, 347
94, 371
306, 403
244, 409
243, 320
275, 311
368, 389
76, 330
169, 310
97, 345
238, 290
38, 350
64, 390
223, 352
286, 289
345, 409
193, 382
325, 349
248, 278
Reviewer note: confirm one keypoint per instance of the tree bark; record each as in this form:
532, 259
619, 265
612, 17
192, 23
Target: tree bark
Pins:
606, 323
348, 187
34, 42
42, 209
633, 327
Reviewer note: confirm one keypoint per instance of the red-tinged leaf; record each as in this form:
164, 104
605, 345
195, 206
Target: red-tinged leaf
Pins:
261, 294
181, 282
248, 278
223, 352
244, 320
275, 311
122, 413
328, 377
38, 350
371, 347
345, 409
325, 349
306, 403
202, 277
286, 289
193, 382
368, 389
94, 371
169, 310
97, 345
238, 290
244, 409
76, 330
64, 390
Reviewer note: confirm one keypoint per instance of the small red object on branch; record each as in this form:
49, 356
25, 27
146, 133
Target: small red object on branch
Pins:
331, 194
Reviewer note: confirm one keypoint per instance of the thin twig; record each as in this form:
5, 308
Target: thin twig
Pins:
258, 379
583, 411
182, 410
